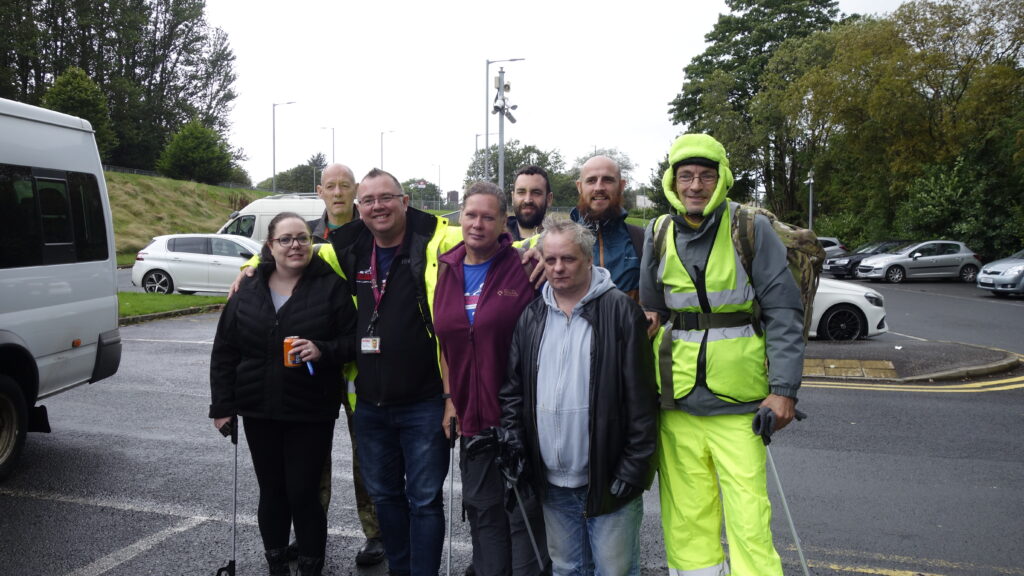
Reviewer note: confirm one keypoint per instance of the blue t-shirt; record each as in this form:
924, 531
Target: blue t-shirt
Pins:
473, 286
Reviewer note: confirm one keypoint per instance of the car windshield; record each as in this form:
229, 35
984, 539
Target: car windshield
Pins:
902, 248
868, 248
1018, 255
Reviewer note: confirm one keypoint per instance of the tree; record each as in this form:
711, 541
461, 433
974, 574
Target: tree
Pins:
626, 165
75, 93
721, 83
516, 156
158, 62
422, 193
302, 178
197, 153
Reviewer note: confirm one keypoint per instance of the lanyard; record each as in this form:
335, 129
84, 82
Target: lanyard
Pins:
378, 292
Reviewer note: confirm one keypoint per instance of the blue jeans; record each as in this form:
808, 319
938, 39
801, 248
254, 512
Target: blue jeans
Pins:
404, 458
607, 545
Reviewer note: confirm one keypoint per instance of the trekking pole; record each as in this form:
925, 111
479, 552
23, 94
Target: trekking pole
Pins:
231, 429
451, 488
785, 508
529, 529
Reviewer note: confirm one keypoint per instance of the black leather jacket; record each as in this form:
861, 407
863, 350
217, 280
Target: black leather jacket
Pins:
623, 397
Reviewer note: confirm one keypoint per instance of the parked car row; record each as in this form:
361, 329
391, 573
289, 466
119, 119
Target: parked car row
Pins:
895, 261
1003, 277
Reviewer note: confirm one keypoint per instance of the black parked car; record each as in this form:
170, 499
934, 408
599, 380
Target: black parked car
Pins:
845, 265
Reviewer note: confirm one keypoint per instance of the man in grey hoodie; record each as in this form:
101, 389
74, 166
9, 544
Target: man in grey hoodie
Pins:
581, 405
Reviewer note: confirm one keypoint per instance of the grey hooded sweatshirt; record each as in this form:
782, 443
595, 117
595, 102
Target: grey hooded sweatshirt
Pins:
563, 387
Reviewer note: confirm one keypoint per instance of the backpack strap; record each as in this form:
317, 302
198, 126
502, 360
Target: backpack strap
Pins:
660, 230
636, 236
743, 239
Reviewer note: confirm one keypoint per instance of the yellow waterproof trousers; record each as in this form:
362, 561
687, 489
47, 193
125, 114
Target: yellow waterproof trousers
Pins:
699, 455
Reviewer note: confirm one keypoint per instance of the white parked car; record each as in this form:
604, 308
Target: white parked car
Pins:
846, 311
191, 263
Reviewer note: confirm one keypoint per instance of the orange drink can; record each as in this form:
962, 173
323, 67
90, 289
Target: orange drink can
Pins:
291, 359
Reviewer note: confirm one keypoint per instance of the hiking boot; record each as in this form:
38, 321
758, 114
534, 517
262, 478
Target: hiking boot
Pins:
371, 554
311, 566
277, 562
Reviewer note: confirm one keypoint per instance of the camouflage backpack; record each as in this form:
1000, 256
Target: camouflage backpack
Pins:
804, 254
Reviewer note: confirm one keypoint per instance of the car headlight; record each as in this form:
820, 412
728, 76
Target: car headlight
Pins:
842, 261
1014, 271
874, 298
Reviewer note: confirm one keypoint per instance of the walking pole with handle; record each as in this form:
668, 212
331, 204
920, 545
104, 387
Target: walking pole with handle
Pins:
451, 488
231, 429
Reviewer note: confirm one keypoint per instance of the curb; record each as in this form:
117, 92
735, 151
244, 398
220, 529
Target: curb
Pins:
129, 320
1008, 363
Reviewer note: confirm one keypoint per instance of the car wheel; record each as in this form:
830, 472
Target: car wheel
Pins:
895, 274
968, 273
158, 282
13, 424
842, 322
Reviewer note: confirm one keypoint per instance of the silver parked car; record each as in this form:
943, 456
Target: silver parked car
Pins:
931, 259
191, 263
833, 247
1003, 277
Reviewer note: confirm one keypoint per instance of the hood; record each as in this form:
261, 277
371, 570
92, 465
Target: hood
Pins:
702, 146
600, 282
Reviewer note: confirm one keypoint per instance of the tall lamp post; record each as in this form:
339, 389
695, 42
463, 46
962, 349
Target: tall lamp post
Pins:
331, 128
487, 114
273, 141
503, 110
382, 133
810, 199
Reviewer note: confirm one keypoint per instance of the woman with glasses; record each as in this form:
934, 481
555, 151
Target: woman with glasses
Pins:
288, 401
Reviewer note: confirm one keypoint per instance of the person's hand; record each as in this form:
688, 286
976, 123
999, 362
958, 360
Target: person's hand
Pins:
537, 275
306, 349
653, 323
446, 422
624, 490
783, 407
246, 272
219, 423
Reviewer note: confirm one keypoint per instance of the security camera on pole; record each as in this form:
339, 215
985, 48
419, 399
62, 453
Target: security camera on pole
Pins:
503, 110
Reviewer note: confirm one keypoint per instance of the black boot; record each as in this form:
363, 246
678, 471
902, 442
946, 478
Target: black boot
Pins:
309, 566
277, 561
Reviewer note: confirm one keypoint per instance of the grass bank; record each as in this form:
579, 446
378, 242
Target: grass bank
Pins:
142, 303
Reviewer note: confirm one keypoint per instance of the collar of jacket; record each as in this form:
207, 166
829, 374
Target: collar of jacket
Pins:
709, 223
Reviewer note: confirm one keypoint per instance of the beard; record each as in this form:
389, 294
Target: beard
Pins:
530, 221
614, 208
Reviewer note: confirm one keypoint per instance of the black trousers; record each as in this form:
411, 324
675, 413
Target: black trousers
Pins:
501, 543
288, 458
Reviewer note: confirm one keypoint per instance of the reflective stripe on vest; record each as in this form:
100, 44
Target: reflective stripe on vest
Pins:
734, 358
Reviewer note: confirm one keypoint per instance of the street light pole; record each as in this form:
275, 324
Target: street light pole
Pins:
382, 132
810, 199
331, 128
273, 141
487, 113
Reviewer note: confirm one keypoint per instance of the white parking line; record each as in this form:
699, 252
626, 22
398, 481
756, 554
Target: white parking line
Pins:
159, 341
111, 561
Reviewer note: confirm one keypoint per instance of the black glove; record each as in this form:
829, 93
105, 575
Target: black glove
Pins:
764, 424
511, 462
624, 490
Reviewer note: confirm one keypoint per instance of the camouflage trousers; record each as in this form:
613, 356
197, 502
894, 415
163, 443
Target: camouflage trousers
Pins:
367, 513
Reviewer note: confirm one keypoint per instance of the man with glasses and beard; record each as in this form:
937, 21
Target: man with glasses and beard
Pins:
531, 196
619, 245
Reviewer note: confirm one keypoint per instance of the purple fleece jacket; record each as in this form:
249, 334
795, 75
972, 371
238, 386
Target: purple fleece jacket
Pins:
477, 355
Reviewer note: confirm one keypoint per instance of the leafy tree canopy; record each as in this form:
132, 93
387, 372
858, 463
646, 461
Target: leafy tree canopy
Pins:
75, 93
196, 153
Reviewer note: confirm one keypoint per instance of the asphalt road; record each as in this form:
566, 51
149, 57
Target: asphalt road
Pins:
896, 481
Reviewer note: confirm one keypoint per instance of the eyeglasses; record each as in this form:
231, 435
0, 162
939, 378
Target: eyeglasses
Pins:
383, 199
286, 241
707, 178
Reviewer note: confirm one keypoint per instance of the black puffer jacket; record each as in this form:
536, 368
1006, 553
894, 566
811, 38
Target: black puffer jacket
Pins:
247, 372
623, 397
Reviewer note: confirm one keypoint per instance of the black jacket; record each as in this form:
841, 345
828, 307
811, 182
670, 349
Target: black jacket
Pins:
623, 397
247, 372
406, 370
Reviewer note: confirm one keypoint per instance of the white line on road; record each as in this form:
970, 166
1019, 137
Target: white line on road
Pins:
111, 561
158, 341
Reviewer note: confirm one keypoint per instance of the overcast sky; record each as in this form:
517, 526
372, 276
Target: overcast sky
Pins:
593, 76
